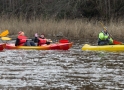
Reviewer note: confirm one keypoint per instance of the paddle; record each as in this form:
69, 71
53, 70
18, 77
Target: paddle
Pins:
60, 41
7, 38
4, 33
115, 42
104, 28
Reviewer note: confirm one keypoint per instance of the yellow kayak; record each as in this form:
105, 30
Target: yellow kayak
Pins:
103, 48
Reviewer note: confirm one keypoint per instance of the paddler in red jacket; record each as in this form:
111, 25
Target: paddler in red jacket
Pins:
22, 40
41, 40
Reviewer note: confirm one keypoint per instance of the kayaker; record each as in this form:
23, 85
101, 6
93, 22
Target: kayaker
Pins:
23, 41
104, 37
35, 39
40, 40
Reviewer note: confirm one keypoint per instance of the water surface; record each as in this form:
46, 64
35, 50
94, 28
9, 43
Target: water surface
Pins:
61, 70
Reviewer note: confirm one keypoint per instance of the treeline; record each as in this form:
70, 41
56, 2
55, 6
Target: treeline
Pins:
63, 9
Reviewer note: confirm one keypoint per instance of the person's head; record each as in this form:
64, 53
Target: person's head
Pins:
20, 33
105, 29
42, 36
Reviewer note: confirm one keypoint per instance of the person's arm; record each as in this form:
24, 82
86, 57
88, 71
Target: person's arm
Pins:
36, 39
17, 42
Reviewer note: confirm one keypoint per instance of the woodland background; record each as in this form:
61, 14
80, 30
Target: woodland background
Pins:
71, 18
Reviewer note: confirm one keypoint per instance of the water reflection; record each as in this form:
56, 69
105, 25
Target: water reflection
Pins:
59, 70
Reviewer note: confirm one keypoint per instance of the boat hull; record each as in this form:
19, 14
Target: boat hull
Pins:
56, 46
103, 48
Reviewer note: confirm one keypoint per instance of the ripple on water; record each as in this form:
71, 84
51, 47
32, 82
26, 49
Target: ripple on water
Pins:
51, 69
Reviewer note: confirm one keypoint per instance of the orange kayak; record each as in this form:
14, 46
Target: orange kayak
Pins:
55, 46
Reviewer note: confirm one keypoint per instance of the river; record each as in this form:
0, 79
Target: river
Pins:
73, 69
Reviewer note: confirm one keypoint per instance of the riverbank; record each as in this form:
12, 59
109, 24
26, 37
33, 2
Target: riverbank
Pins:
72, 29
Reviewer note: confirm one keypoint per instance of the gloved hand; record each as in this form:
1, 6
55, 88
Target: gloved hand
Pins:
36, 35
109, 37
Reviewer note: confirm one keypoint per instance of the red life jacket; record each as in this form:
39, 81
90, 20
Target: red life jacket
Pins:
22, 40
42, 41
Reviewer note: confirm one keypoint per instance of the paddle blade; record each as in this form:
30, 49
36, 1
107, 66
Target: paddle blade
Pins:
4, 33
49, 40
63, 41
116, 42
5, 38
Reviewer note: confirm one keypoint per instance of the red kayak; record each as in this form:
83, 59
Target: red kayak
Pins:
54, 46
2, 46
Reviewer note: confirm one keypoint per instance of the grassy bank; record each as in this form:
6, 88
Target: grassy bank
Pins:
71, 29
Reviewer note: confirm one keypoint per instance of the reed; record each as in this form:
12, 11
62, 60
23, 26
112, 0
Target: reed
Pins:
73, 29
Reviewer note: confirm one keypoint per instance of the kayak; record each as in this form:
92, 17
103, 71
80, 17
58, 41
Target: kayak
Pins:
103, 48
2, 46
54, 46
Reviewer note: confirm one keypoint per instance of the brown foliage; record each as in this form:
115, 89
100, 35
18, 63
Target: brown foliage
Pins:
71, 29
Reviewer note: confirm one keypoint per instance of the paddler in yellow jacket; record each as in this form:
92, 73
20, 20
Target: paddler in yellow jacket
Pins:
104, 37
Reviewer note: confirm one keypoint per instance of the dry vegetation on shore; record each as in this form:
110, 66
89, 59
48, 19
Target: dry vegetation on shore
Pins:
74, 29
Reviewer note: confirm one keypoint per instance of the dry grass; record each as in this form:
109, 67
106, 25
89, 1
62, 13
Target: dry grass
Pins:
79, 29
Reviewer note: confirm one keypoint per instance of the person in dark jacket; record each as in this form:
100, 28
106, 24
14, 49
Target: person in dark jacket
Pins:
23, 41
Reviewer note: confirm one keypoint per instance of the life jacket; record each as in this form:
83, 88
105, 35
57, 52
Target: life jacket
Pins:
22, 40
41, 41
103, 35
